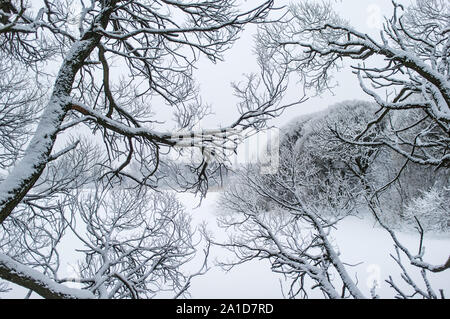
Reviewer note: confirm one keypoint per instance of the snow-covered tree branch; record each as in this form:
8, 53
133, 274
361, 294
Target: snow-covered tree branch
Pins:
289, 218
118, 64
413, 75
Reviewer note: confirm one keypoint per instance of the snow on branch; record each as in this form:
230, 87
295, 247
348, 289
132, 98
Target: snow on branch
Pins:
414, 44
27, 277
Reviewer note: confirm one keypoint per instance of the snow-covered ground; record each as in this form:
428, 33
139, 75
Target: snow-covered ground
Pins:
250, 280
359, 240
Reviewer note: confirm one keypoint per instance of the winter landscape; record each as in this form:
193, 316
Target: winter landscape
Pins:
224, 149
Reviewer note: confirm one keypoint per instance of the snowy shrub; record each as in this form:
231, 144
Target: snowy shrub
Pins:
333, 173
432, 209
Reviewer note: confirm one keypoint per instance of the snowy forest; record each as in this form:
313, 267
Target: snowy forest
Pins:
119, 148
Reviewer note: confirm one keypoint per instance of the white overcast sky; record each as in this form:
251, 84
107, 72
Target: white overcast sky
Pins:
215, 79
